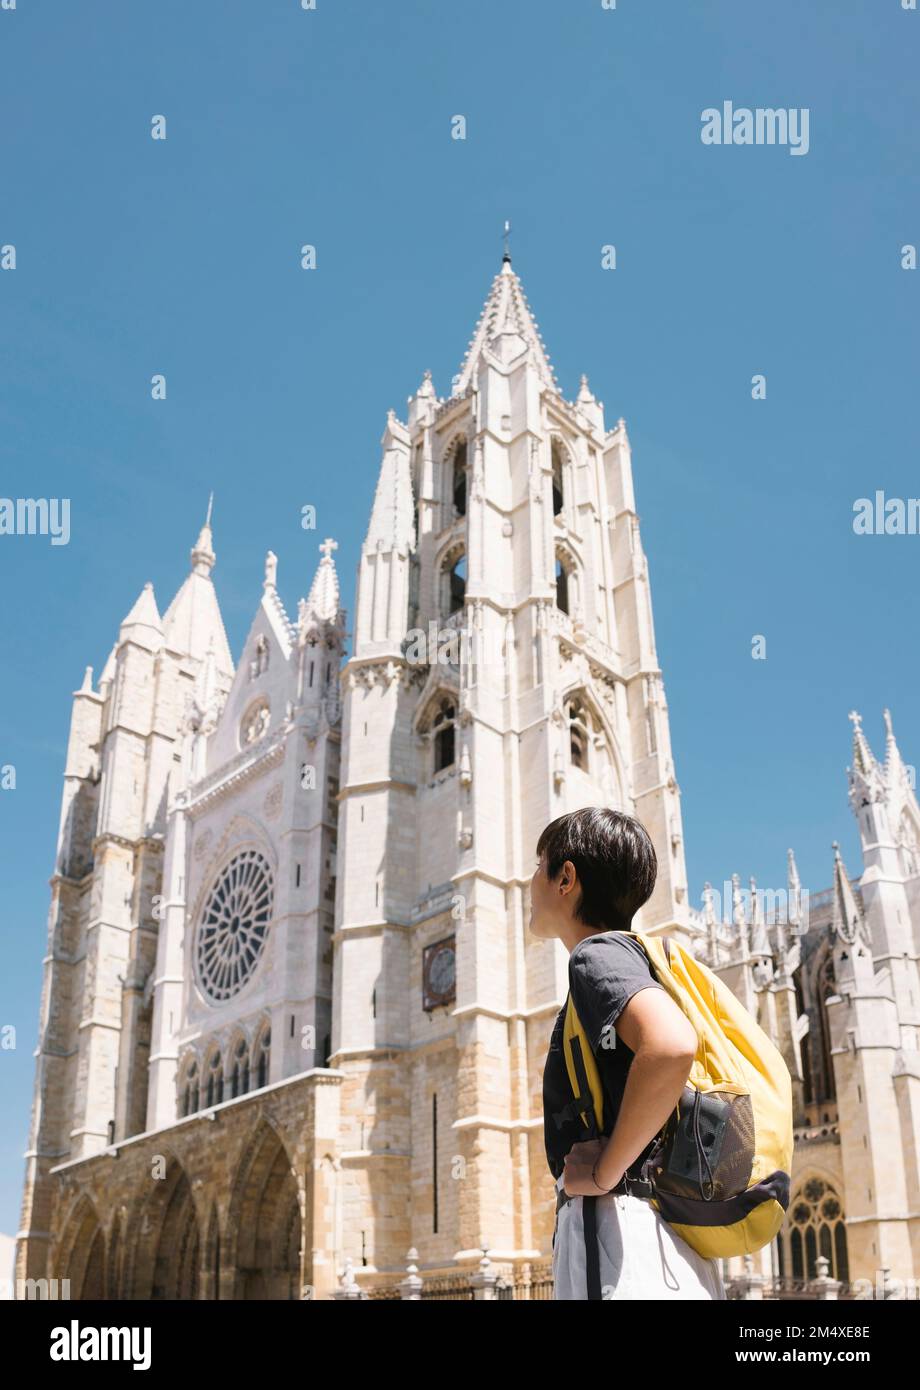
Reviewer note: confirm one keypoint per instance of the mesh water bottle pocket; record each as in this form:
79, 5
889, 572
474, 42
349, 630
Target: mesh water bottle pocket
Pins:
708, 1148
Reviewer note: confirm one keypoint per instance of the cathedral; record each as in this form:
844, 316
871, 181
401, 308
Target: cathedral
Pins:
293, 1024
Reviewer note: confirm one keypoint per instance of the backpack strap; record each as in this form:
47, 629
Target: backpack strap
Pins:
584, 1104
592, 1248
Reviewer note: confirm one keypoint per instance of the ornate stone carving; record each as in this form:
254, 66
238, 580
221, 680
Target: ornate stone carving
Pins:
255, 723
202, 843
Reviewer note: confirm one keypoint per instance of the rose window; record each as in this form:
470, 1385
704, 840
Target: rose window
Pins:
234, 926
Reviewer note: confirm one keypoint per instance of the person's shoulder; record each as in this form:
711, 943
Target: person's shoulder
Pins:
608, 945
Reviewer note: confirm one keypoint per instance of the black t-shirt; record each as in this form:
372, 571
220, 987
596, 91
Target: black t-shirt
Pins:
605, 971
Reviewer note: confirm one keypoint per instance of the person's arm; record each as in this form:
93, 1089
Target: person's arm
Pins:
664, 1042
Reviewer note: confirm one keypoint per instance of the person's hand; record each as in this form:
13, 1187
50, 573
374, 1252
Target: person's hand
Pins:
578, 1167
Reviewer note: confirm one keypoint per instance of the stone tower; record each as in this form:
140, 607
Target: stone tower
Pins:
94, 1028
252, 825
504, 671
874, 1019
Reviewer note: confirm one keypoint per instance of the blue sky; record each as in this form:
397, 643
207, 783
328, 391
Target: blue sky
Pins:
332, 127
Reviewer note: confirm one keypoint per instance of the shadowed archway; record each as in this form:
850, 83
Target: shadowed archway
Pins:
82, 1258
265, 1221
167, 1254
113, 1264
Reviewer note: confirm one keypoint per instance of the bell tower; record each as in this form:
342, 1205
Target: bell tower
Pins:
504, 672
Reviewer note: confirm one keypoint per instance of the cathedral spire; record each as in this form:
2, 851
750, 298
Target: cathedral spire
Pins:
144, 615
590, 407
585, 394
321, 606
426, 391
863, 757
793, 892
192, 622
895, 771
793, 882
203, 556
865, 776
847, 916
760, 936
506, 328
391, 523
323, 599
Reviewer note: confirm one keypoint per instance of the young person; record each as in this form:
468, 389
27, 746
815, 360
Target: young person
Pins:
595, 868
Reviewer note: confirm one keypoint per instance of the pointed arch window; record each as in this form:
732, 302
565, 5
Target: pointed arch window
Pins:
558, 493
239, 1077
819, 983
807, 1070
215, 1080
816, 1226
458, 479
562, 585
443, 734
453, 582
190, 1090
263, 1058
826, 987
578, 734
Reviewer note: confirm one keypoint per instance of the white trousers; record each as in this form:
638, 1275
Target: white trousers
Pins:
641, 1256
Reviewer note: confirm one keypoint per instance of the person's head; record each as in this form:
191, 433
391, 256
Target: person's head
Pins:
595, 869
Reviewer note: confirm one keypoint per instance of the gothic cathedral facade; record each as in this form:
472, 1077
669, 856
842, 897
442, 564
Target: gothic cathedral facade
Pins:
293, 1023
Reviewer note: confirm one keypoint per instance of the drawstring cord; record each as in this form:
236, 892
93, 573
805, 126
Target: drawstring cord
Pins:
701, 1151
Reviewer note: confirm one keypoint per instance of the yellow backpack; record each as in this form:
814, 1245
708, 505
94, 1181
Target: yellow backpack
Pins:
719, 1169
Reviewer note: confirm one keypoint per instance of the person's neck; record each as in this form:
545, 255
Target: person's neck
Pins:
574, 932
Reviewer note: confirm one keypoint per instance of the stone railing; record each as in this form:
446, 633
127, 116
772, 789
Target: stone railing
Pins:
526, 1282
444, 406
574, 631
751, 1286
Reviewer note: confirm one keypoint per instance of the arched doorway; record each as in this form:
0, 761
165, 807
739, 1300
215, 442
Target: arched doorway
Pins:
82, 1258
265, 1219
167, 1262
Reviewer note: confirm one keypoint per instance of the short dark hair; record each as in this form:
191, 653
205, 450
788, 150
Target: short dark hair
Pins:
614, 858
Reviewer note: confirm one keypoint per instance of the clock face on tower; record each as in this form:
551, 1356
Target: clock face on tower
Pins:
439, 973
